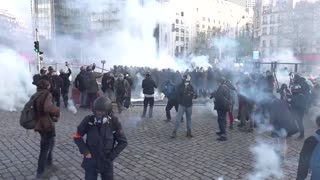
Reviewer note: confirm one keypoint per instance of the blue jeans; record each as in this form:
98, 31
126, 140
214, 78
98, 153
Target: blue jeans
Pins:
46, 147
181, 111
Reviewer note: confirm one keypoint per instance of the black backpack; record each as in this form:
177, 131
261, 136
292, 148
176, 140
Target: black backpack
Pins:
29, 112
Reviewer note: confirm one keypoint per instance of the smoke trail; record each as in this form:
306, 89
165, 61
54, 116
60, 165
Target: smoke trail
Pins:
267, 162
71, 107
15, 82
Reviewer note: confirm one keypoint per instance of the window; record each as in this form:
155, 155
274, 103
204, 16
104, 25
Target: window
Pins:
182, 30
271, 30
271, 43
272, 19
264, 43
203, 26
198, 26
177, 38
203, 19
279, 18
182, 49
187, 39
182, 39
264, 31
197, 9
265, 20
208, 19
177, 21
182, 13
177, 29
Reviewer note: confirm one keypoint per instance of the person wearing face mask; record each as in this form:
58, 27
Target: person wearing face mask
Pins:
185, 95
105, 140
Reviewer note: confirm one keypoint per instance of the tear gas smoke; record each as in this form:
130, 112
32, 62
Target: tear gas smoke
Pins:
15, 82
71, 107
267, 162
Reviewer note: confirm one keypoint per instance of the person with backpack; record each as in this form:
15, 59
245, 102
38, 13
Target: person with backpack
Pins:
81, 84
170, 93
66, 84
105, 140
309, 159
222, 104
123, 91
148, 85
46, 115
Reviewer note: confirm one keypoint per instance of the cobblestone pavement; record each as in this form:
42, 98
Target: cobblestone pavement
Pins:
151, 153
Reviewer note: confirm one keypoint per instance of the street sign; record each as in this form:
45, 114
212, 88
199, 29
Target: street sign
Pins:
256, 55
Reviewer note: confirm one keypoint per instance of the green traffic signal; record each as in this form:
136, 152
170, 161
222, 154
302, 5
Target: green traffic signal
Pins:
36, 46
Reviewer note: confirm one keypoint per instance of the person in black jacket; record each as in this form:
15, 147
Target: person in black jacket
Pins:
105, 140
80, 85
298, 106
185, 94
222, 104
306, 153
148, 86
56, 84
42, 75
66, 85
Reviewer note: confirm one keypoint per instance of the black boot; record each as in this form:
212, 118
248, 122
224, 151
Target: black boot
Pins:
150, 112
174, 134
144, 112
189, 135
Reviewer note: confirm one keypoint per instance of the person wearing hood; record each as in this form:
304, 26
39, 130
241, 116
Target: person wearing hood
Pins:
185, 95
47, 114
107, 85
309, 159
222, 104
65, 76
105, 140
148, 85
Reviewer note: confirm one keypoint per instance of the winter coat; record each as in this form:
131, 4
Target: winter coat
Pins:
281, 116
46, 112
93, 85
100, 142
222, 98
123, 88
56, 84
79, 83
107, 83
299, 103
185, 94
148, 86
66, 81
305, 156
38, 77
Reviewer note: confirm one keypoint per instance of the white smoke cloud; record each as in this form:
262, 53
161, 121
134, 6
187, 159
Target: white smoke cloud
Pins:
15, 82
267, 162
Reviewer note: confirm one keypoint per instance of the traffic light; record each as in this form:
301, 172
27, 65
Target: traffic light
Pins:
36, 46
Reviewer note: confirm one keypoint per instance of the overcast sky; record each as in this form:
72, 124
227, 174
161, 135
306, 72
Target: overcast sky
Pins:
240, 2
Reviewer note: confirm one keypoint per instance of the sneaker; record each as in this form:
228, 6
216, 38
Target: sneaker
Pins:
222, 138
240, 125
219, 133
189, 135
53, 168
44, 175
